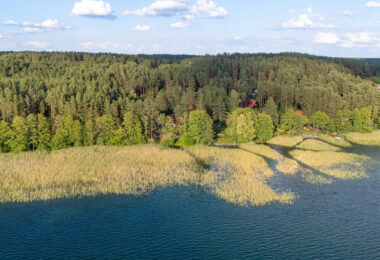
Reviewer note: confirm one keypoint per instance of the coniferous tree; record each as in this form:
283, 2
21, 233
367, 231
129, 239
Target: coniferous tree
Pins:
271, 109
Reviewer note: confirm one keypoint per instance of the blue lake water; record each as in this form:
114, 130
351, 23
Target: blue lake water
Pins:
337, 221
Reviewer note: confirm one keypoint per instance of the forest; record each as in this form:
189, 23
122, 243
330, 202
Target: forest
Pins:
53, 100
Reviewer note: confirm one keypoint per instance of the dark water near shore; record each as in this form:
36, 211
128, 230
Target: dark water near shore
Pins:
337, 221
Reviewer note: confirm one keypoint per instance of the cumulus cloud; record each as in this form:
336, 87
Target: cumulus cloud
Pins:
142, 28
92, 8
362, 37
348, 40
209, 8
10, 23
186, 22
305, 21
36, 44
47, 25
181, 9
161, 8
326, 38
373, 4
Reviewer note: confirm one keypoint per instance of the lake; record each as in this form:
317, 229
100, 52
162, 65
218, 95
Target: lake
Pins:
335, 221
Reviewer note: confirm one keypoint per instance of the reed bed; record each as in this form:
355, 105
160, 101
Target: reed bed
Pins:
372, 139
238, 176
286, 141
91, 171
332, 140
335, 164
284, 165
315, 145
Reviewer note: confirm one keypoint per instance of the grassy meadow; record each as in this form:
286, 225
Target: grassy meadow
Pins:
240, 175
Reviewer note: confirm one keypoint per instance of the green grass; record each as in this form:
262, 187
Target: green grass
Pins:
371, 139
315, 145
286, 141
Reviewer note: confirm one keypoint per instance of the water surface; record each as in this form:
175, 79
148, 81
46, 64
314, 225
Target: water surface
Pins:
336, 221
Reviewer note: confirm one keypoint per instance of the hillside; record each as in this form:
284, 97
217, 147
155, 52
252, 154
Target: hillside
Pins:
89, 86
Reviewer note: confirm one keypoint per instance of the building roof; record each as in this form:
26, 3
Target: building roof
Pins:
252, 103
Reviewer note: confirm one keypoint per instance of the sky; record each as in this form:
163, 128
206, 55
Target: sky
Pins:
338, 28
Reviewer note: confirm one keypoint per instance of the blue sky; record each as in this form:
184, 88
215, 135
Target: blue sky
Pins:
345, 28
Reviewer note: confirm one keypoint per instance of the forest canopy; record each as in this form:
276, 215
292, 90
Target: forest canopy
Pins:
84, 99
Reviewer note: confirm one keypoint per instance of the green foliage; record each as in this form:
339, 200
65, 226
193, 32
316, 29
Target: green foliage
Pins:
89, 133
264, 128
320, 121
68, 135
106, 126
132, 130
271, 110
200, 127
293, 122
241, 125
4, 136
343, 122
367, 123
97, 90
233, 100
168, 136
19, 135
44, 133
32, 124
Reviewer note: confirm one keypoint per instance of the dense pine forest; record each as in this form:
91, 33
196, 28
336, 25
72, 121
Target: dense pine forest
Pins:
58, 100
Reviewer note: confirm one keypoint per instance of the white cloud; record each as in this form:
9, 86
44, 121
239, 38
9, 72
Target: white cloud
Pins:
305, 21
326, 38
47, 25
1, 36
92, 8
10, 22
209, 8
291, 11
32, 30
238, 38
37, 44
161, 8
362, 37
142, 28
99, 46
187, 19
348, 13
373, 4
349, 40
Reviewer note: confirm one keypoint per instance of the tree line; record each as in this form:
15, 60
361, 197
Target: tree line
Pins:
243, 125
59, 100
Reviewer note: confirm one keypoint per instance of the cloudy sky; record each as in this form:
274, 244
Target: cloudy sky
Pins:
346, 28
